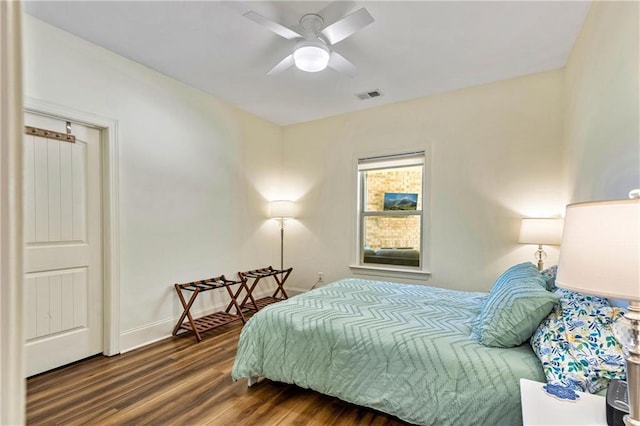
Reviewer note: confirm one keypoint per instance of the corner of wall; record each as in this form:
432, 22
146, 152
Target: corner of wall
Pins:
601, 112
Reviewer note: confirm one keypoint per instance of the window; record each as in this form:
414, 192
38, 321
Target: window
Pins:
391, 211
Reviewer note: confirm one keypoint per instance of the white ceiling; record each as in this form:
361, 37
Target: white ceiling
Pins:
413, 49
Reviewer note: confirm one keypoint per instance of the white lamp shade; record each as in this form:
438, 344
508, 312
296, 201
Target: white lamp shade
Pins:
282, 209
547, 231
601, 249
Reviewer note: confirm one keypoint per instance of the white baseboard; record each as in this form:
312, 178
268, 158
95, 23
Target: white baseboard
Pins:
144, 335
293, 291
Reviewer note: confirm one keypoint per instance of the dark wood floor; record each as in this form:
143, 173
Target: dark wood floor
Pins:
178, 381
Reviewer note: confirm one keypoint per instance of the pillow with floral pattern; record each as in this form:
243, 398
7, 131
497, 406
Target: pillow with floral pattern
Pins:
575, 343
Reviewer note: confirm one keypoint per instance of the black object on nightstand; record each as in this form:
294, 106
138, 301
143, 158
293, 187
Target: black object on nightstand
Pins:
617, 402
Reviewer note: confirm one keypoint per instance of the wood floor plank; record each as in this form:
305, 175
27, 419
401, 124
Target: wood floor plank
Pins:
178, 381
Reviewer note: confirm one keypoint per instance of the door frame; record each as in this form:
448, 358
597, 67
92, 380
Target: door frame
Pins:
110, 210
12, 383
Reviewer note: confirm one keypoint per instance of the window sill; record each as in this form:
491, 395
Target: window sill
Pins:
381, 271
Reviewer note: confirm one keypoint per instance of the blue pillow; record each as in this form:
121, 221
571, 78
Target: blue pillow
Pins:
516, 305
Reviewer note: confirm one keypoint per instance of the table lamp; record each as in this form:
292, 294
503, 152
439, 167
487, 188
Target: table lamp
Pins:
282, 210
546, 231
600, 255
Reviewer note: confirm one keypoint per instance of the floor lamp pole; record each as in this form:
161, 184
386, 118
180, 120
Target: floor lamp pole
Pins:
281, 244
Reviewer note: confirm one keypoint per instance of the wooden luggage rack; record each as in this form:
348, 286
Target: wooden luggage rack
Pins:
216, 319
279, 275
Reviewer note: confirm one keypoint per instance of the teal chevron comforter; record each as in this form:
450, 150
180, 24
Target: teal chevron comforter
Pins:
401, 349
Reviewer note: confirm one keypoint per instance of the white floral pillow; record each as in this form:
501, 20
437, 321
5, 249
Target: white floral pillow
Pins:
575, 343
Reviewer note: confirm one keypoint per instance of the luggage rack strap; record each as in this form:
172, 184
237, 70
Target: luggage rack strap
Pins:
262, 272
207, 284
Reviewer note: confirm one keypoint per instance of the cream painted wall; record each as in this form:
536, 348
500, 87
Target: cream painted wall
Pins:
195, 174
602, 115
495, 154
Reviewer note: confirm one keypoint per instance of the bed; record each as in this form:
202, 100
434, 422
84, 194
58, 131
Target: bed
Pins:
406, 350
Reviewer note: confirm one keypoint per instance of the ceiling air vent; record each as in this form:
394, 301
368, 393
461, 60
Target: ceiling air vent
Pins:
368, 95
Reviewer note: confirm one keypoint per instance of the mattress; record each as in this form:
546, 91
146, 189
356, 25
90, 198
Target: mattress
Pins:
402, 349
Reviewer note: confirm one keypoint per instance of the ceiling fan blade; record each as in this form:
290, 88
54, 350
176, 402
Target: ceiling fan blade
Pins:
336, 10
340, 64
277, 28
348, 25
282, 65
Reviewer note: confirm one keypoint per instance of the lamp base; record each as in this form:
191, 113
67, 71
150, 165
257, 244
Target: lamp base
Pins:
540, 256
627, 332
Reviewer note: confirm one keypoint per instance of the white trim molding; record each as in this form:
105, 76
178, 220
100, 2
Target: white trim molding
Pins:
111, 210
387, 272
12, 373
139, 337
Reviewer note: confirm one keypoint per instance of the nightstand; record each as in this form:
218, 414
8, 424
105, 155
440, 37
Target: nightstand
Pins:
540, 409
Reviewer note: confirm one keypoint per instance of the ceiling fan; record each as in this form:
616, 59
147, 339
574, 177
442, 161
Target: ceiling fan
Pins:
312, 51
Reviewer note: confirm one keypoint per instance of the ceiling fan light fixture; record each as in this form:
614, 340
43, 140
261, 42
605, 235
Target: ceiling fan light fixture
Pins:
311, 56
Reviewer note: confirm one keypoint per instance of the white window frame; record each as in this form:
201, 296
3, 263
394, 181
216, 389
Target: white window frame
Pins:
418, 158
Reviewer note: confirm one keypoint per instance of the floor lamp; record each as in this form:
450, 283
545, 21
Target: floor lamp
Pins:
601, 255
282, 210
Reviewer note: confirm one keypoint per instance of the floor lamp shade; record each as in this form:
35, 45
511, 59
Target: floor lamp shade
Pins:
601, 249
282, 209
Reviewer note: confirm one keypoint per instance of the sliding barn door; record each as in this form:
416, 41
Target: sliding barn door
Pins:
63, 253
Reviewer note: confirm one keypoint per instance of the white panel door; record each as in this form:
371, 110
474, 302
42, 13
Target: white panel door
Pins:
63, 253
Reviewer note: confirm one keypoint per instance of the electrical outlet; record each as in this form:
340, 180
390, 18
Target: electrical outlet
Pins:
320, 276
